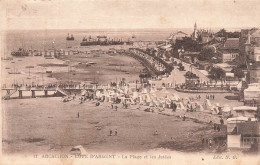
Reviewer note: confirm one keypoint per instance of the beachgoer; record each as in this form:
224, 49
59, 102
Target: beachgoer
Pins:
218, 128
111, 132
115, 132
210, 143
202, 141
155, 133
78, 114
116, 108
221, 121
184, 117
112, 106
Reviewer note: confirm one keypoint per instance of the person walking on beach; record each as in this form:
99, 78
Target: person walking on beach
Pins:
111, 132
116, 108
215, 127
78, 114
221, 121
184, 117
112, 106
210, 143
116, 132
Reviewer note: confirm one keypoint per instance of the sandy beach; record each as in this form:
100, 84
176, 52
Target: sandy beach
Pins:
29, 128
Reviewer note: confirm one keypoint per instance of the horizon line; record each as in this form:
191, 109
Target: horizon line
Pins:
249, 27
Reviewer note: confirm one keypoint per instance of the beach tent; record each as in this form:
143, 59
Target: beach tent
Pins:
180, 106
135, 95
198, 106
226, 109
98, 94
207, 105
83, 92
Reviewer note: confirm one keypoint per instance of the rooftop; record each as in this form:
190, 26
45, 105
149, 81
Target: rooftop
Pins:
231, 43
256, 33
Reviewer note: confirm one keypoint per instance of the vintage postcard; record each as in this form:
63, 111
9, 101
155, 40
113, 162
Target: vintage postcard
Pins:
130, 82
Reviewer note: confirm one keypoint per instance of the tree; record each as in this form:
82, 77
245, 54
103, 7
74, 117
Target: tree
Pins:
206, 54
238, 71
216, 73
187, 44
221, 33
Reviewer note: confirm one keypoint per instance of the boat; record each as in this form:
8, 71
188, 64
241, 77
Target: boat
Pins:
6, 58
49, 57
14, 72
70, 37
20, 52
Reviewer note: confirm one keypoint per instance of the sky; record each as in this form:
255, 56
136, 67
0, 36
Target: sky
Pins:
128, 14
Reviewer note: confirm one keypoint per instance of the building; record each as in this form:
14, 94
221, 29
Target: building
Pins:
189, 57
252, 45
254, 72
252, 94
194, 35
178, 35
243, 134
243, 130
230, 50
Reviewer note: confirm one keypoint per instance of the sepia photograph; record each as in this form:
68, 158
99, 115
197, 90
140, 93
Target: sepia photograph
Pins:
130, 82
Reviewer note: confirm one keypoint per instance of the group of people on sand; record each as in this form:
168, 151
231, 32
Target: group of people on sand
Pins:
216, 141
114, 106
111, 133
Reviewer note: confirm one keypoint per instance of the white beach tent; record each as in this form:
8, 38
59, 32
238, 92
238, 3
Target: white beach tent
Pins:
135, 95
226, 109
198, 106
83, 92
207, 104
180, 106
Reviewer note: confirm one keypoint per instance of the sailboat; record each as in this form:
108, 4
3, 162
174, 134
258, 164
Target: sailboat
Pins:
6, 58
70, 37
14, 71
